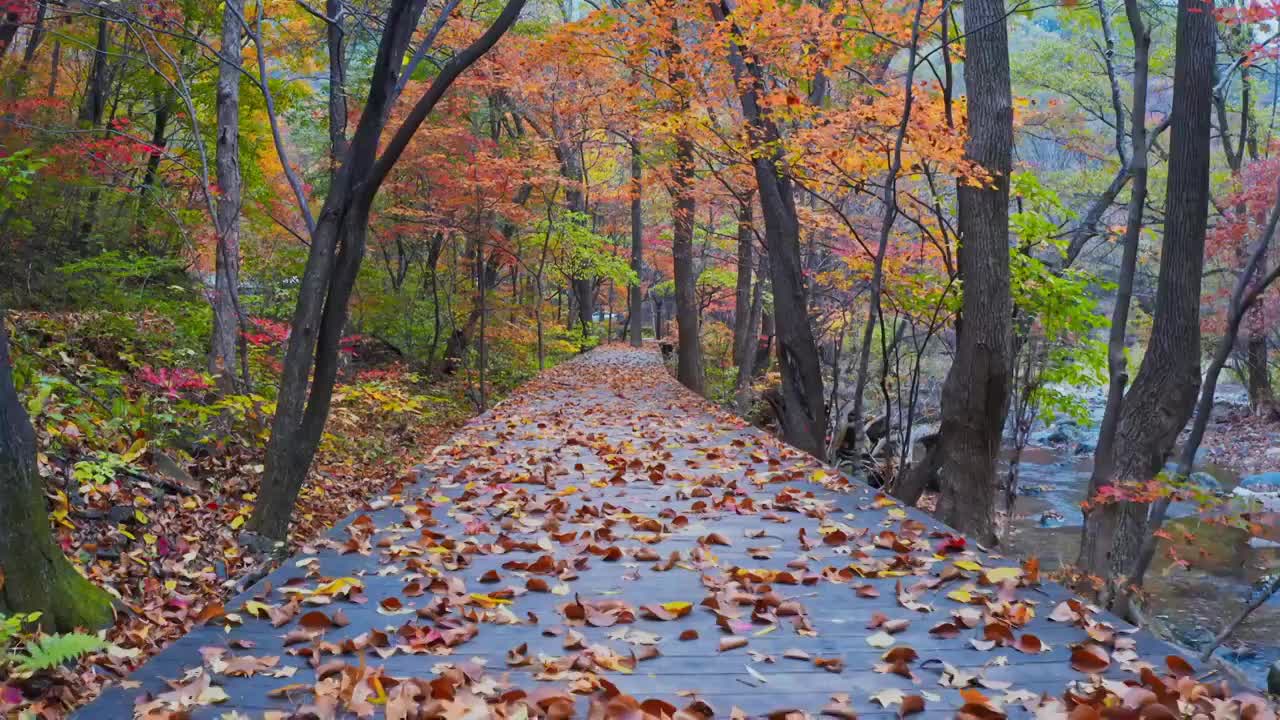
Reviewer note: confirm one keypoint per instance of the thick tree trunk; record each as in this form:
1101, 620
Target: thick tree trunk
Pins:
226, 286
34, 574
636, 300
689, 351
1092, 554
976, 392
1163, 394
1261, 396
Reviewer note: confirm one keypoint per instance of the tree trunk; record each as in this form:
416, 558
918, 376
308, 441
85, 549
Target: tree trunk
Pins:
34, 574
333, 262
742, 293
803, 418
689, 351
975, 395
636, 300
335, 38
1261, 396
1092, 554
226, 286
94, 106
1163, 394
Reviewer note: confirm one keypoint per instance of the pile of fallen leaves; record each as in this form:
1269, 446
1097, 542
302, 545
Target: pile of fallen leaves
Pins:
1241, 441
606, 545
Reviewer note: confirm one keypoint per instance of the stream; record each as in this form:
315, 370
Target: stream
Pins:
1193, 603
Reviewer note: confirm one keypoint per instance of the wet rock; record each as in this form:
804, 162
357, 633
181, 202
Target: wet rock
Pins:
1062, 433
1084, 447
1261, 482
1273, 678
1205, 480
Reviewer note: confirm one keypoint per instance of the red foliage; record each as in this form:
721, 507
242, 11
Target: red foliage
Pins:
173, 381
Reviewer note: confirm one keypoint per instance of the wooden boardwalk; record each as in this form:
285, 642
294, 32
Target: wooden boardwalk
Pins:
604, 533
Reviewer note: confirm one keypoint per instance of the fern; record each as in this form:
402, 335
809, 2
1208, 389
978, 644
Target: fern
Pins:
50, 651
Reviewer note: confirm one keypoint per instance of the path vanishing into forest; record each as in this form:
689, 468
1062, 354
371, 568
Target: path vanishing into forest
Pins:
604, 533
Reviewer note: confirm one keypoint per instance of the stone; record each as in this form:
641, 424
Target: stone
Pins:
1261, 482
1205, 480
1273, 678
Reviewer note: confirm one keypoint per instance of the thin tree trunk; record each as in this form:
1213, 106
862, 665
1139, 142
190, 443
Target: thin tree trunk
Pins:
94, 105
333, 262
34, 574
804, 418
975, 395
226, 292
1163, 394
55, 66
1243, 296
335, 38
742, 293
636, 302
1092, 554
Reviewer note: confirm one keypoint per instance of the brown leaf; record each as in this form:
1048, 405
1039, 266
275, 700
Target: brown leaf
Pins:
732, 642
1089, 658
1179, 666
911, 704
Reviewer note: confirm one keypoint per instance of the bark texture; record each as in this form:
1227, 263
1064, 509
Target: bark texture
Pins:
635, 300
34, 574
803, 416
226, 286
689, 350
976, 392
1163, 394
1091, 554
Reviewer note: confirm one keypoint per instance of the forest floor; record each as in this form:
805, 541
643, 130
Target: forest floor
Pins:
1244, 441
162, 536
606, 538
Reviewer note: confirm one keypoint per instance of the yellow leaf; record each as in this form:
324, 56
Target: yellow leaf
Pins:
340, 586
677, 606
440, 499
256, 609
488, 601
140, 516
999, 575
960, 596
567, 491
968, 565
237, 522
135, 451
149, 539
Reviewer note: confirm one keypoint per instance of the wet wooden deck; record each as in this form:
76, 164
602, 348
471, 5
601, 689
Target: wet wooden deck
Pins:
604, 468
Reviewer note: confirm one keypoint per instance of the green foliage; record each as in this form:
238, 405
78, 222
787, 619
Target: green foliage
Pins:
31, 654
50, 651
17, 172
584, 254
1055, 307
102, 469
